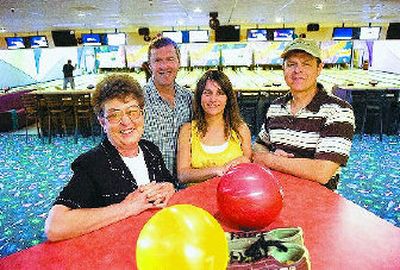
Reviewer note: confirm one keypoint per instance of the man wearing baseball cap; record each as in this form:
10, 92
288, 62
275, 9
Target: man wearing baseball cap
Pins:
307, 132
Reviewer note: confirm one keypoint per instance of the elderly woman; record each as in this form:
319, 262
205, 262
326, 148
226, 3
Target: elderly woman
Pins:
121, 177
217, 138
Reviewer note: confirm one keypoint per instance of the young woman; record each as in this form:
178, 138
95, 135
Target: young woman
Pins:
217, 138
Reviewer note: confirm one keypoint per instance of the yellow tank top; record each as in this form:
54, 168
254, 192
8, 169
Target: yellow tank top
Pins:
203, 159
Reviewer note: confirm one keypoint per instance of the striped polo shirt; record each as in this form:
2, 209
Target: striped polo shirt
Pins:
324, 129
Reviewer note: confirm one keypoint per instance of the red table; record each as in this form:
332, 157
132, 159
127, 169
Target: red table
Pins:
338, 233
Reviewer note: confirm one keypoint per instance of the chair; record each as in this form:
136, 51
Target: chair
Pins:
374, 104
265, 101
248, 102
83, 111
32, 112
56, 113
395, 113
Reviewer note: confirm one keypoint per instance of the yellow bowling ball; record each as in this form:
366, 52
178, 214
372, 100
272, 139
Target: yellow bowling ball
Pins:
182, 237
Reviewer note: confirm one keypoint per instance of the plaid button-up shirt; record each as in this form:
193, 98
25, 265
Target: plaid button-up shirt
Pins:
162, 122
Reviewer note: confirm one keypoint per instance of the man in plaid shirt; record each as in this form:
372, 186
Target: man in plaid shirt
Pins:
167, 104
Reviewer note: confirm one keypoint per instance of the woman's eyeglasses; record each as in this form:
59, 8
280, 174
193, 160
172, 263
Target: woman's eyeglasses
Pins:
115, 117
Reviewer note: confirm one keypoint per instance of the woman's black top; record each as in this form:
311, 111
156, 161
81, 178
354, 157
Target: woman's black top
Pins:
101, 177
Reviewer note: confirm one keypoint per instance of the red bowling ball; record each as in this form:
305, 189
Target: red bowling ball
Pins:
249, 196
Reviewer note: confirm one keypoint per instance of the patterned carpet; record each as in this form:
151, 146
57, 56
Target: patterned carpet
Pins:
32, 174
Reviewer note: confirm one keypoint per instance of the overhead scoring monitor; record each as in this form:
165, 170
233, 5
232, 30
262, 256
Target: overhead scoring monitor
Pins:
198, 36
257, 34
116, 39
370, 33
38, 42
91, 39
176, 36
284, 34
15, 43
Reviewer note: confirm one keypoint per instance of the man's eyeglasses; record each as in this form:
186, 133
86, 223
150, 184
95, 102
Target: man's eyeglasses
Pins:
115, 117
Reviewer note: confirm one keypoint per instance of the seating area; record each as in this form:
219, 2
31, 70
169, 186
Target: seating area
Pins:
376, 111
57, 113
12, 111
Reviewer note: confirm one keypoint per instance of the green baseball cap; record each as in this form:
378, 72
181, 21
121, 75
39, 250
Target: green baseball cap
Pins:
307, 45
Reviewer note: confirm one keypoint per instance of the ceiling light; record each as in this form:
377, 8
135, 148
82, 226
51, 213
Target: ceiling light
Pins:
197, 10
377, 16
319, 6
